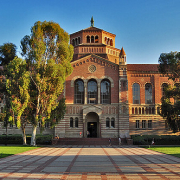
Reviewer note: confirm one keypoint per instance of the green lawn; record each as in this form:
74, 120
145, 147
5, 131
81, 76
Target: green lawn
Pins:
174, 151
11, 150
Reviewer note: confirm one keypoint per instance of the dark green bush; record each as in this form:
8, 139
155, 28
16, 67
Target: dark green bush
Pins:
11, 139
17, 139
159, 140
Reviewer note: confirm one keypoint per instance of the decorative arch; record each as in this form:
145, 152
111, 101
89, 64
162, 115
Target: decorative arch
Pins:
109, 78
74, 79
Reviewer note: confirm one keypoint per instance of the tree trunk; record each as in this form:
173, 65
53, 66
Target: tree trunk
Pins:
24, 135
33, 137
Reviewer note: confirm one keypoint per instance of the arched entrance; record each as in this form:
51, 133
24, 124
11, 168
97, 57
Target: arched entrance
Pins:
92, 125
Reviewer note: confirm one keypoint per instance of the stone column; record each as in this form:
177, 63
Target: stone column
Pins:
85, 92
99, 93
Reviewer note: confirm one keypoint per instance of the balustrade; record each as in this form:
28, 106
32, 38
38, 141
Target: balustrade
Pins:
144, 109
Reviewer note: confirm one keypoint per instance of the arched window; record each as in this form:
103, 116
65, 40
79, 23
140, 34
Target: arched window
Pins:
108, 41
92, 92
79, 40
164, 86
76, 41
148, 93
111, 42
76, 122
73, 42
88, 39
136, 93
96, 39
107, 122
112, 123
105, 39
92, 39
105, 92
79, 92
71, 122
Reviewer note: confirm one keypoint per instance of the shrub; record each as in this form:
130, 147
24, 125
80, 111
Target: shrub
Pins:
159, 140
17, 139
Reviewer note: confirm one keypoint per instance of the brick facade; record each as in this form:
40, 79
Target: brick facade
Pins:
111, 112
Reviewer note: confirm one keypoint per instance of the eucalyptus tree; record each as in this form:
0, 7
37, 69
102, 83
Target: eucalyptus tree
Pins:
48, 55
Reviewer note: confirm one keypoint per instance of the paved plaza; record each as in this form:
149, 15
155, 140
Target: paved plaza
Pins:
90, 162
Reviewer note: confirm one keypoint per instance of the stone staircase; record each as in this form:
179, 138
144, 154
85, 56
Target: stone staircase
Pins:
88, 141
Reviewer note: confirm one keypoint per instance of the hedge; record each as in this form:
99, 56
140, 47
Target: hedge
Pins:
17, 139
159, 139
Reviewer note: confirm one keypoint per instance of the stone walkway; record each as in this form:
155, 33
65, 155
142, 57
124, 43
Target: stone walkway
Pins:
90, 162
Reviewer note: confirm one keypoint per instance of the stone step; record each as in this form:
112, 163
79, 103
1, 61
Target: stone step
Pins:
86, 141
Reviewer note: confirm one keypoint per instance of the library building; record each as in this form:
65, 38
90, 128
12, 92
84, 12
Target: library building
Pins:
105, 96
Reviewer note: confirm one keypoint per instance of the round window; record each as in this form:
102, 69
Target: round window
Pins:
92, 68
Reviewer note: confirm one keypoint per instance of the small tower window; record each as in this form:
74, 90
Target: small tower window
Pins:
96, 39
111, 42
88, 39
79, 40
92, 39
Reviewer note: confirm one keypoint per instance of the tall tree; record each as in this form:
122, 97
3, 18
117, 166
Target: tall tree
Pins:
170, 108
48, 55
17, 85
7, 53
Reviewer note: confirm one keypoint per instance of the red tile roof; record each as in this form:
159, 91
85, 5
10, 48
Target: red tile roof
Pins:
142, 67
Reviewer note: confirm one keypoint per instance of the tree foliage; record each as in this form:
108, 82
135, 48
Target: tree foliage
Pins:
17, 85
48, 55
170, 65
170, 108
7, 53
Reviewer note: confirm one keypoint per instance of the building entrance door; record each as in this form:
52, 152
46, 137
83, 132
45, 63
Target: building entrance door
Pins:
92, 128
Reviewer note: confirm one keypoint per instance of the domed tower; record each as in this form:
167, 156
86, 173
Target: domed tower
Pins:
93, 40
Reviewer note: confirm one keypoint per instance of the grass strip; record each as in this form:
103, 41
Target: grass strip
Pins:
174, 151
11, 150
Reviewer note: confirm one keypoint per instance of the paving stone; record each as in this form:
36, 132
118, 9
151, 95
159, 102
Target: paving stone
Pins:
90, 162
93, 169
54, 169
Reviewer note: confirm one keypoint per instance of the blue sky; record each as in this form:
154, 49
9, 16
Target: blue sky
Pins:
145, 28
